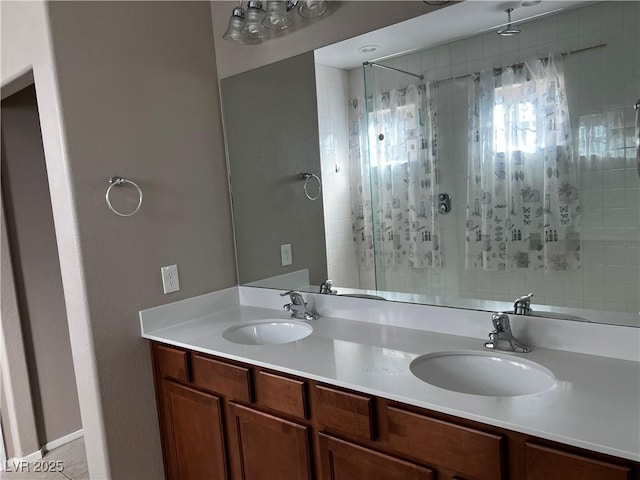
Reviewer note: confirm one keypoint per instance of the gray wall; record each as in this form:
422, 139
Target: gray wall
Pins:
270, 140
4, 423
34, 253
16, 407
137, 93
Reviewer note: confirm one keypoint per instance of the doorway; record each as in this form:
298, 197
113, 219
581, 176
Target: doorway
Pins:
32, 244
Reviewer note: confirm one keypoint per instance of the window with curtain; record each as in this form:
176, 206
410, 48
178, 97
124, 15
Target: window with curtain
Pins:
523, 205
601, 138
393, 155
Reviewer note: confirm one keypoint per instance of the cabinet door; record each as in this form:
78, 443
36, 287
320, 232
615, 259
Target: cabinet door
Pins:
193, 434
343, 460
270, 447
545, 463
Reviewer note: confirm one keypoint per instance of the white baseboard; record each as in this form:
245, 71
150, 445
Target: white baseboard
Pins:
63, 440
17, 462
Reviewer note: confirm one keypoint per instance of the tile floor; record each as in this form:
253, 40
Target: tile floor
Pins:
73, 465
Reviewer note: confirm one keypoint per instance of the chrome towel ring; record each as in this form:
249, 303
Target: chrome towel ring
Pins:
306, 177
118, 181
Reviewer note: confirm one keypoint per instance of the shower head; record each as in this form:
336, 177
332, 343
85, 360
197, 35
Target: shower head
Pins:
509, 30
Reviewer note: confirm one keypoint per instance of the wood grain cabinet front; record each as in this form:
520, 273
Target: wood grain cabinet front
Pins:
223, 420
221, 377
194, 437
171, 363
345, 412
270, 447
467, 451
545, 463
282, 394
343, 460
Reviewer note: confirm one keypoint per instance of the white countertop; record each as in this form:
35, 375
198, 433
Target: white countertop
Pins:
594, 404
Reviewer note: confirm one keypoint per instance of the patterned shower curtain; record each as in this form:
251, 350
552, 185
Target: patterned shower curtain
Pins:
393, 155
523, 206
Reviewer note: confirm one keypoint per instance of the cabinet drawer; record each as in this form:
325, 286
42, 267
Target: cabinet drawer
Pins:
223, 378
171, 363
345, 412
545, 463
280, 393
342, 459
468, 452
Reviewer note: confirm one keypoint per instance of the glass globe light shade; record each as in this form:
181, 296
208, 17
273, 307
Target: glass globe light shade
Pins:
276, 15
312, 8
254, 31
236, 26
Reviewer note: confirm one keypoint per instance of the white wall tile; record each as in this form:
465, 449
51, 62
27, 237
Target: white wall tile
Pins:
590, 19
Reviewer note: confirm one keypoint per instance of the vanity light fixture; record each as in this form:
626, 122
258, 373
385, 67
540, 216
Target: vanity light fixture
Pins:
260, 20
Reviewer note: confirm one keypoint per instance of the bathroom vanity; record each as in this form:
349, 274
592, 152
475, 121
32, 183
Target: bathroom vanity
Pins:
343, 403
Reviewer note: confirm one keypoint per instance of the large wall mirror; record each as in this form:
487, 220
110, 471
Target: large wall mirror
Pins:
469, 170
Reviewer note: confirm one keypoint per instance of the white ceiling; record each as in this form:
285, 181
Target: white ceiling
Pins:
457, 21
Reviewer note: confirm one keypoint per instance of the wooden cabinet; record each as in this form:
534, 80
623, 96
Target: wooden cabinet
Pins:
470, 453
544, 463
194, 445
270, 447
343, 460
344, 412
223, 378
223, 419
282, 394
172, 363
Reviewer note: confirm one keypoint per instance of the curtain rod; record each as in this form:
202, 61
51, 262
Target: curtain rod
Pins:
374, 64
565, 54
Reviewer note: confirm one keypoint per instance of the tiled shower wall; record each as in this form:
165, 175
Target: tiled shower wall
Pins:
333, 94
605, 79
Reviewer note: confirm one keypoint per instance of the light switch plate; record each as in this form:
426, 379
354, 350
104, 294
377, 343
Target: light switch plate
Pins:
170, 279
285, 254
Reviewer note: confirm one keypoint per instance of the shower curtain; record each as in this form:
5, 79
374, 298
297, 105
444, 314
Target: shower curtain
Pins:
393, 155
523, 205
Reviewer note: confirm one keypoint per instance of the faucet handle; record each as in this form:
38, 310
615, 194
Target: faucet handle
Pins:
522, 305
501, 322
325, 288
296, 297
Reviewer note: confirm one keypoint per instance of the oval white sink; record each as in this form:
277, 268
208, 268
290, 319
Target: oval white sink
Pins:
482, 373
268, 332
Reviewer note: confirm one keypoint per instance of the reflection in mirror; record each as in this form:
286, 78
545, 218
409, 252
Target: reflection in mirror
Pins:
529, 138
271, 127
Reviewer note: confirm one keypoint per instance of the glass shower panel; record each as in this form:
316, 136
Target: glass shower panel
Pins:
401, 134
373, 83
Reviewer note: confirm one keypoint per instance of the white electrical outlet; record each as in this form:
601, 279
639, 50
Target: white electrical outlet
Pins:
285, 254
170, 279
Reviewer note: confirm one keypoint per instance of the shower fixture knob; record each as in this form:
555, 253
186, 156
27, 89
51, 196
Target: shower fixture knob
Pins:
444, 203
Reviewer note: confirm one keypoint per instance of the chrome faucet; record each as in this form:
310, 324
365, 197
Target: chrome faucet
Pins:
502, 338
326, 289
298, 307
522, 306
